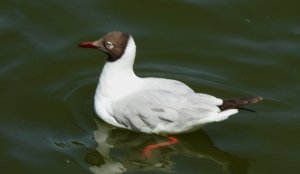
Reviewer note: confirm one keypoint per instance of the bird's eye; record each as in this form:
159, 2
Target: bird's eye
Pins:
109, 45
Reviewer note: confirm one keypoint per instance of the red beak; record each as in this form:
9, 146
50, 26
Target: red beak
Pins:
87, 45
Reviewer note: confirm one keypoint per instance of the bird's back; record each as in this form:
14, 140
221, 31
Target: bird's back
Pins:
174, 86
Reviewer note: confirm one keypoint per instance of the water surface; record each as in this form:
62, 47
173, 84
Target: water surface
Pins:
228, 49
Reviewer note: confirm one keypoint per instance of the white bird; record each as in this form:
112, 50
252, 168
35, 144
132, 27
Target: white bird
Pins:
151, 105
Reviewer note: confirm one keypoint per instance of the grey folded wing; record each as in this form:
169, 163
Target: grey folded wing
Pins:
153, 111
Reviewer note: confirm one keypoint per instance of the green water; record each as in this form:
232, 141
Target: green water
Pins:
225, 48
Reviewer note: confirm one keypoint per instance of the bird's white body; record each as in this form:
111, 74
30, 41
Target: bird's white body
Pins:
152, 105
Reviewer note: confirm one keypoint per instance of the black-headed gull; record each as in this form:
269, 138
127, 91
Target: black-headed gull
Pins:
151, 105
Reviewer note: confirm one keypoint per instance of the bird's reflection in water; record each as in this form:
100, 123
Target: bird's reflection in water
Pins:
120, 150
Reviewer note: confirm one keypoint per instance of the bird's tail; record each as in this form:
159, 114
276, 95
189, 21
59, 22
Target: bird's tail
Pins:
236, 103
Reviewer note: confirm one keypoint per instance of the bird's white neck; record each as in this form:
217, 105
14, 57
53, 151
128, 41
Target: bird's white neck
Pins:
118, 78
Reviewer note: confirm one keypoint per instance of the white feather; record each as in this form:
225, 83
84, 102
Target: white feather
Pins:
152, 105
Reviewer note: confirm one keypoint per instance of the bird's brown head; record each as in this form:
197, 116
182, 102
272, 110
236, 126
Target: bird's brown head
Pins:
113, 44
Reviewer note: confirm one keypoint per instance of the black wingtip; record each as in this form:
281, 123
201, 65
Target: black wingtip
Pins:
236, 103
253, 100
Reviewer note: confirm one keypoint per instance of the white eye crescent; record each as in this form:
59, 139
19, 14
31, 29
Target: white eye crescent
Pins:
109, 45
